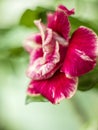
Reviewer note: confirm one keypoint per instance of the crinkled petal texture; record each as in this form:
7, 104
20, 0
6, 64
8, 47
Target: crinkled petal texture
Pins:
54, 89
59, 22
54, 43
68, 12
46, 59
32, 41
82, 52
56, 61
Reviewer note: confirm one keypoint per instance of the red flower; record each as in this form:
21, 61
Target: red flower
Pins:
56, 61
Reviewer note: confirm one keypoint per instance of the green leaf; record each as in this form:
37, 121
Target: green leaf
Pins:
17, 52
38, 98
89, 80
30, 15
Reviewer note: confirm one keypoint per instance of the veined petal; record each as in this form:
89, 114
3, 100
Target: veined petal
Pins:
59, 23
82, 52
44, 63
41, 27
34, 96
45, 66
56, 88
35, 54
32, 41
63, 8
32, 92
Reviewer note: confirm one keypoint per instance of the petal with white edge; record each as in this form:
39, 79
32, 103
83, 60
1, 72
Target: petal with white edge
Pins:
32, 41
82, 52
59, 23
56, 88
63, 8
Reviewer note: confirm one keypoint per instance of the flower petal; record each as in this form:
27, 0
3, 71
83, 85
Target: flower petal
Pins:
41, 27
44, 63
82, 52
45, 66
56, 88
32, 91
36, 53
34, 96
29, 43
68, 12
59, 23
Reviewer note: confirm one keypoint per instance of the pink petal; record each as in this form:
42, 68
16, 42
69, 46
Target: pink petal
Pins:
45, 66
45, 61
32, 92
68, 12
55, 88
35, 54
59, 23
35, 38
82, 52
41, 27
29, 43
34, 96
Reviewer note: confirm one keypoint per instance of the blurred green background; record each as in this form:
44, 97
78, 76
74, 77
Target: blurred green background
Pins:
16, 23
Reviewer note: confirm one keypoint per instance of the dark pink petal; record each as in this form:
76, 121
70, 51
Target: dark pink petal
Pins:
82, 52
68, 12
55, 88
31, 42
45, 66
42, 28
34, 96
33, 92
35, 54
38, 39
59, 23
45, 61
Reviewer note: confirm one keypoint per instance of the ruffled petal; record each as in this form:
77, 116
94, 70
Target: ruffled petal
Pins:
41, 27
59, 23
45, 61
63, 8
34, 96
45, 66
56, 88
32, 41
82, 52
36, 53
